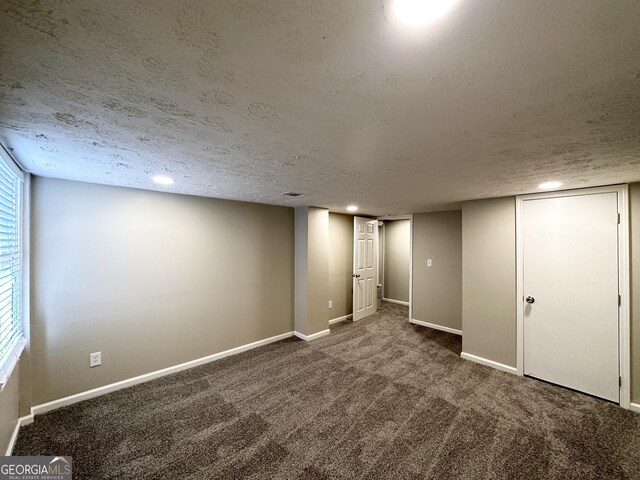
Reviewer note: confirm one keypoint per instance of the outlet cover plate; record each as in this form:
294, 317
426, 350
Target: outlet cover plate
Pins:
95, 359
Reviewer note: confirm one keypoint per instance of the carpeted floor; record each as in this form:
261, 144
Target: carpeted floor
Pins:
376, 399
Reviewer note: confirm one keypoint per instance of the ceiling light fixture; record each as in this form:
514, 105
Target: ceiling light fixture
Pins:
549, 185
163, 180
352, 208
422, 12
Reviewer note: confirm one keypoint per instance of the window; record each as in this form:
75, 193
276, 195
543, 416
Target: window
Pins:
11, 319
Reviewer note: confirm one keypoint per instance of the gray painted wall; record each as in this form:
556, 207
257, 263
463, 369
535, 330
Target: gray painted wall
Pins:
340, 264
9, 408
397, 237
311, 270
634, 203
150, 279
113, 268
301, 290
489, 279
437, 290
318, 273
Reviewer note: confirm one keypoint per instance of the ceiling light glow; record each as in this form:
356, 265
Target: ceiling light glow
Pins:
549, 185
422, 12
163, 180
352, 208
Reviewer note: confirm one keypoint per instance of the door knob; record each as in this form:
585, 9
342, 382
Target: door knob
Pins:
355, 275
530, 299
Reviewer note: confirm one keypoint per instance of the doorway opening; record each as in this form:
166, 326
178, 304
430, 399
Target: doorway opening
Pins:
382, 263
395, 236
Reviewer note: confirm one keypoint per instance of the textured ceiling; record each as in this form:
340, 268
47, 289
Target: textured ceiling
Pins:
249, 99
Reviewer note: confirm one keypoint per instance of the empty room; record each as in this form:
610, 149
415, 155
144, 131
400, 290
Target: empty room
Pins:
391, 239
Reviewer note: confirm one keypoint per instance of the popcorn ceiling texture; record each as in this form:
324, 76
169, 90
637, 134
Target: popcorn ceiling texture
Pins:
246, 99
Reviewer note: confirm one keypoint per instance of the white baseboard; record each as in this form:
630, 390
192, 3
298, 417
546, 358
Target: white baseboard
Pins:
399, 302
14, 436
489, 363
436, 327
313, 336
339, 319
12, 440
634, 407
26, 420
96, 392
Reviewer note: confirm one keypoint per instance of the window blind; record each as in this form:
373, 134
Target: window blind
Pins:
11, 326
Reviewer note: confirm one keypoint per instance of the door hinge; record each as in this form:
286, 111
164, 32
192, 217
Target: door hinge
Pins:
618, 219
619, 381
619, 300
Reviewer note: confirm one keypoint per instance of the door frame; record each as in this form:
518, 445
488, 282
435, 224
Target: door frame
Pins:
624, 332
410, 218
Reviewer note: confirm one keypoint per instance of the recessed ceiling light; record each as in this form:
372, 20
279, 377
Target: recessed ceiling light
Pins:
421, 12
549, 185
352, 208
162, 180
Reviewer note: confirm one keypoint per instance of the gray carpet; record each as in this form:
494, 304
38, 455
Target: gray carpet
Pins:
376, 399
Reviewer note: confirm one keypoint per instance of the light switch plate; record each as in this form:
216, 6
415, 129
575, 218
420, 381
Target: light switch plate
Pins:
429, 263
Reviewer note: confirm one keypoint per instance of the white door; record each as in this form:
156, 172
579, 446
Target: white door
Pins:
570, 280
365, 267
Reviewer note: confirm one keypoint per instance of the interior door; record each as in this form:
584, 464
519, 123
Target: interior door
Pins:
365, 267
570, 252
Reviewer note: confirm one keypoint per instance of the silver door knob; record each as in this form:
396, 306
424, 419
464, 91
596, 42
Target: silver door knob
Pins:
530, 299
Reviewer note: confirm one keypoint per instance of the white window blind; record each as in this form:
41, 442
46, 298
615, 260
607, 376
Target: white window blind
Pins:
11, 326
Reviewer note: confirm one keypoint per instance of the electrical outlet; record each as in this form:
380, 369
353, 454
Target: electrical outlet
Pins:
95, 359
330, 303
